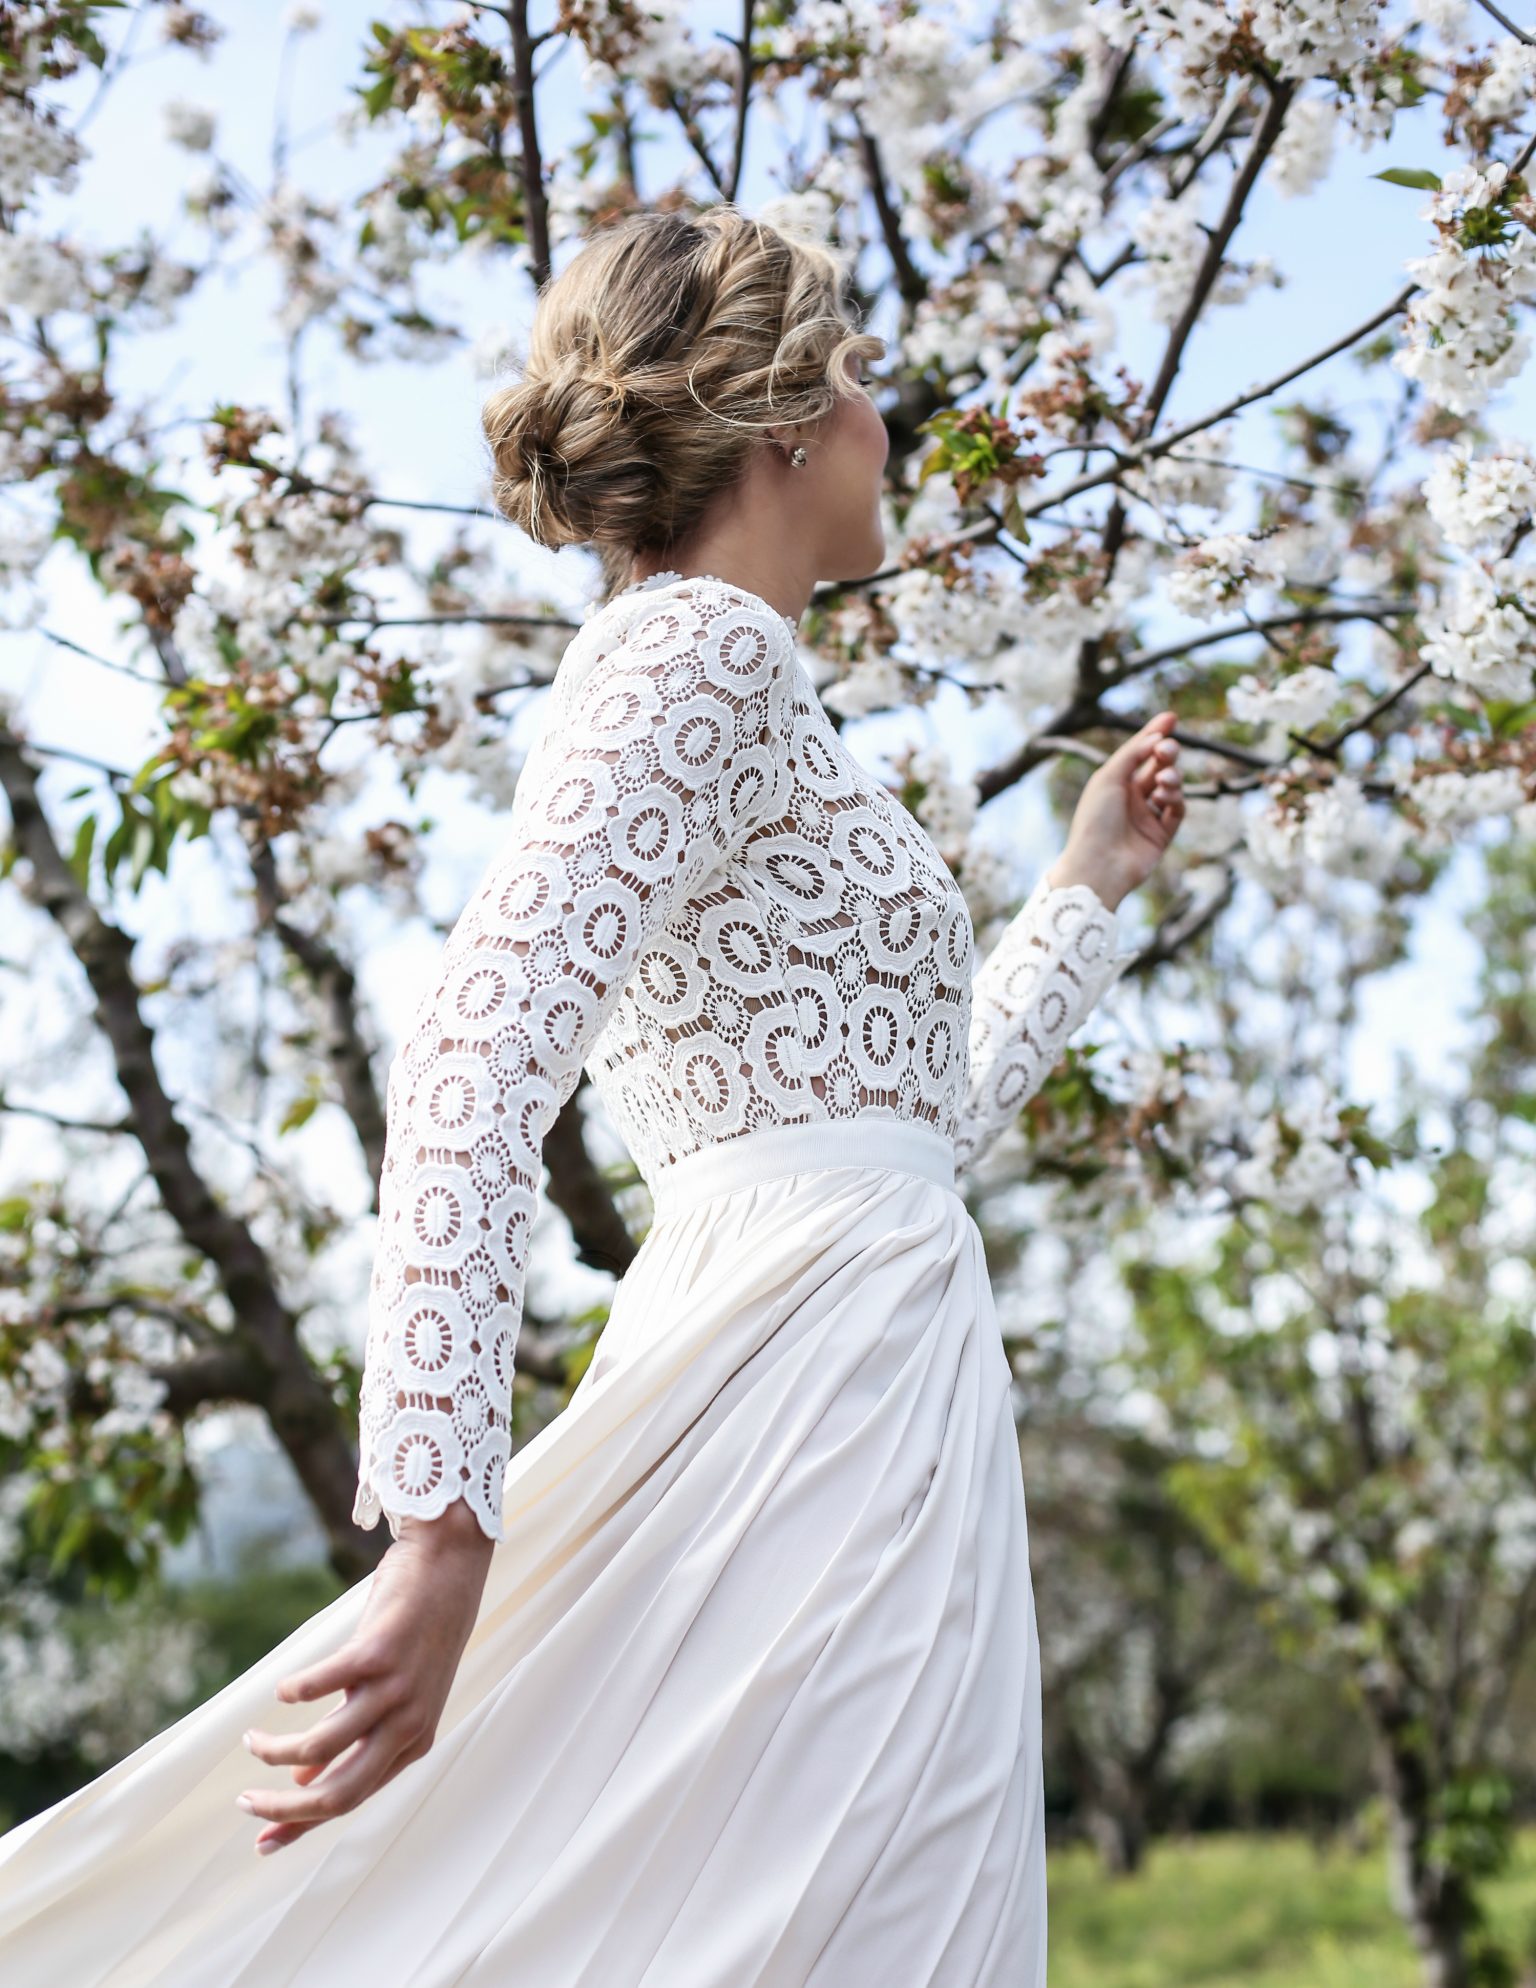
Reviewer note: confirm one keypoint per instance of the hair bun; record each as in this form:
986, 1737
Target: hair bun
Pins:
569, 467
617, 393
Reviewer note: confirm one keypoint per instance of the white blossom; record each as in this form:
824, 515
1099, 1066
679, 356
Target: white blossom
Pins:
873, 684
1507, 88
1194, 40
38, 275
1461, 339
32, 150
973, 331
1336, 828
1480, 499
1212, 825
1217, 575
807, 216
1047, 626
1450, 800
1446, 17
493, 352
395, 243
1484, 633
103, 1697
1194, 473
1296, 1161
1304, 150
1305, 38
1170, 237
193, 126
1038, 20
940, 623
987, 885
947, 805
1296, 702
336, 861
137, 1397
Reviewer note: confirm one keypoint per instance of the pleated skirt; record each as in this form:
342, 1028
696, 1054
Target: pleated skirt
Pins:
753, 1696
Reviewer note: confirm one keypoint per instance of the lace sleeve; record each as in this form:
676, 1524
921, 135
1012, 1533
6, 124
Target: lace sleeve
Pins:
1047, 971
657, 756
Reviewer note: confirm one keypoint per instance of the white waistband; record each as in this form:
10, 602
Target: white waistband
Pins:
899, 1145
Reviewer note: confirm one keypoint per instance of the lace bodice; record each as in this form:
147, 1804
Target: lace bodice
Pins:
705, 900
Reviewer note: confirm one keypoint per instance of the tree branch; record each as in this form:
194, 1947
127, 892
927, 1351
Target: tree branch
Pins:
1210, 268
346, 1051
535, 203
743, 100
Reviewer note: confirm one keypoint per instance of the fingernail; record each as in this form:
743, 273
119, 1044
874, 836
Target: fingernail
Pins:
245, 1802
246, 1741
266, 1849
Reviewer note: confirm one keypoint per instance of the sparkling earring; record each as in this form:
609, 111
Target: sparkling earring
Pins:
797, 456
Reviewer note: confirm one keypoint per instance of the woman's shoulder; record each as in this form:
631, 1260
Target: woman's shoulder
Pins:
689, 609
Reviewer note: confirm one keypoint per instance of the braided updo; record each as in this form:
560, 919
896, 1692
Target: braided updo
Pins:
654, 358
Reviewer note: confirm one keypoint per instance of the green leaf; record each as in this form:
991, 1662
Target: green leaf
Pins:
80, 855
377, 99
142, 850
1014, 520
1508, 720
300, 1112
117, 843
1427, 182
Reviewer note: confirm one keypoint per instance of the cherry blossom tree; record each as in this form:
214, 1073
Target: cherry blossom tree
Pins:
1332, 1316
1049, 210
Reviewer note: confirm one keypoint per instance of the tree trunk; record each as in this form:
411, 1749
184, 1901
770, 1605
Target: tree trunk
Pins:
1432, 1899
1118, 1831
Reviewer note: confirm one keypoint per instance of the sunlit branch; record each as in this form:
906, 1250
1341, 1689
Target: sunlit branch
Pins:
464, 620
90, 655
1506, 23
1264, 140
694, 133
535, 201
112, 1128
1149, 451
910, 281
1146, 659
113, 773
363, 499
743, 100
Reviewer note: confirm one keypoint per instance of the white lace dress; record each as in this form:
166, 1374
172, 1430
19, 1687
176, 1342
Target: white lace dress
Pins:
753, 1697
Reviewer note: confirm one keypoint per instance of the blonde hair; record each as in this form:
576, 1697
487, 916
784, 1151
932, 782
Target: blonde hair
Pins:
654, 358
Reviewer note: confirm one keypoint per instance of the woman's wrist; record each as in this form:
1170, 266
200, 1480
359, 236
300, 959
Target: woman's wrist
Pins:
1069, 869
455, 1529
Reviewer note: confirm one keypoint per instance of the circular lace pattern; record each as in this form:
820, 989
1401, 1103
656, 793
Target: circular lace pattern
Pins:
709, 904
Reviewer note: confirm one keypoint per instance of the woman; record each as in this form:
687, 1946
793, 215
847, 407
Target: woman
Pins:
731, 1675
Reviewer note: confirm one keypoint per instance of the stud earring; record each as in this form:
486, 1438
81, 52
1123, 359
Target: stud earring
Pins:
797, 457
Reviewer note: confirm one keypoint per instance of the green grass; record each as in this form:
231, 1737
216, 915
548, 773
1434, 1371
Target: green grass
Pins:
1252, 1912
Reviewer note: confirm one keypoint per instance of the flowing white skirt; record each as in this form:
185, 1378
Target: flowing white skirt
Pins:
753, 1697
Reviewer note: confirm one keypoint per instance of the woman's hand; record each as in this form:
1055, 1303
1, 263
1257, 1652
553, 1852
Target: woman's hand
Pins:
1126, 816
396, 1670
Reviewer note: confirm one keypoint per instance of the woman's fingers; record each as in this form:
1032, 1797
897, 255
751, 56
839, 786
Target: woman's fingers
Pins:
1159, 770
341, 1788
1153, 745
323, 1740
276, 1834
343, 1668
